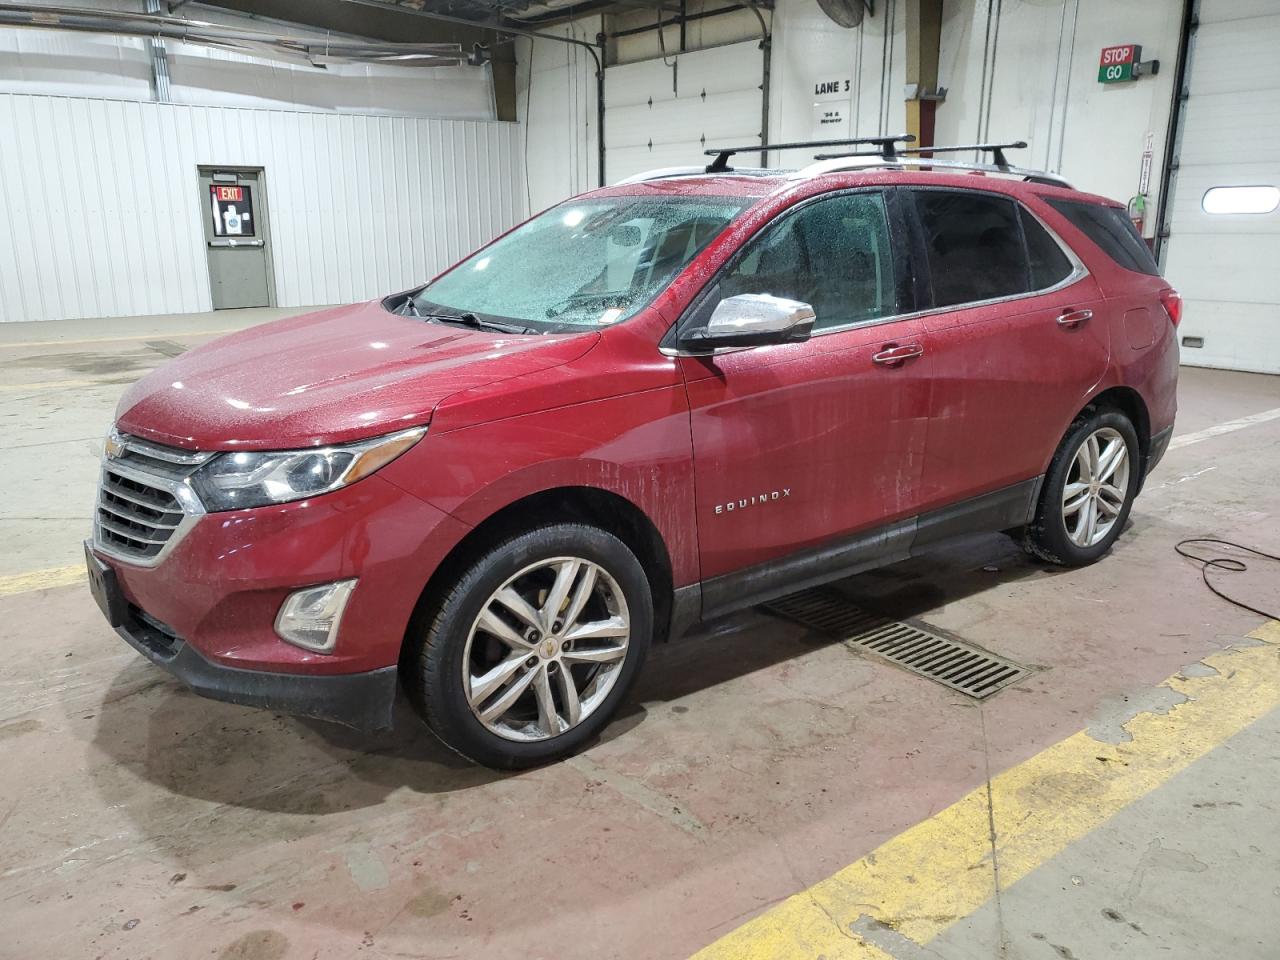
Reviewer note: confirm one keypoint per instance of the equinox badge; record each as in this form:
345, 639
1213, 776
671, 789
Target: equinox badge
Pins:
759, 498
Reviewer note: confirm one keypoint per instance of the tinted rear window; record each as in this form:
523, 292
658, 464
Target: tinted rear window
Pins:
974, 246
1112, 230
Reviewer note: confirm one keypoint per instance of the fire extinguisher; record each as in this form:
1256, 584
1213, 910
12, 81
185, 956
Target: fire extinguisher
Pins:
1138, 211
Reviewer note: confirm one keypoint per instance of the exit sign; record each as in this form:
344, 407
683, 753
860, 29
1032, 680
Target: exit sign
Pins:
1117, 64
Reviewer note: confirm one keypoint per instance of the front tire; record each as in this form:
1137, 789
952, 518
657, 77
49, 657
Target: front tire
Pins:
527, 657
1088, 491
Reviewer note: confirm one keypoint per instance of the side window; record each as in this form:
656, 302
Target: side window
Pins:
833, 254
1112, 230
974, 246
1049, 265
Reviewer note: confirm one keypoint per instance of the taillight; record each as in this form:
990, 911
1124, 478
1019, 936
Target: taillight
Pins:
1172, 305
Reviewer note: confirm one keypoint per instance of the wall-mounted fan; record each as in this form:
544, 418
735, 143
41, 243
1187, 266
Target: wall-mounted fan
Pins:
847, 13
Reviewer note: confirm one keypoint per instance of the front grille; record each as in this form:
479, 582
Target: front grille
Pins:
138, 510
135, 517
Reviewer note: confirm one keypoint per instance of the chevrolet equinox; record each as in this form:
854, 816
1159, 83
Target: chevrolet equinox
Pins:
651, 405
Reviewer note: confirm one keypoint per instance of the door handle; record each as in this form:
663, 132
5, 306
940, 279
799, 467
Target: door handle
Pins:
1073, 318
894, 355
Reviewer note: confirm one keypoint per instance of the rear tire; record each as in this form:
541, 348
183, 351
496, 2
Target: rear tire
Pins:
529, 654
1088, 491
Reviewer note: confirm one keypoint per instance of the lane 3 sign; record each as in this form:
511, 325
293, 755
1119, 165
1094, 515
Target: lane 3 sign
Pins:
1116, 64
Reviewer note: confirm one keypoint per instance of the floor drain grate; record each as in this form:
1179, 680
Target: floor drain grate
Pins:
957, 665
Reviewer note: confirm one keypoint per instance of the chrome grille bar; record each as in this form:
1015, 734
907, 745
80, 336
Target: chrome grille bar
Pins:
145, 503
128, 531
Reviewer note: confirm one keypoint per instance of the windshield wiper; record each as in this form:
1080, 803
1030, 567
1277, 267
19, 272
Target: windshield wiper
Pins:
467, 319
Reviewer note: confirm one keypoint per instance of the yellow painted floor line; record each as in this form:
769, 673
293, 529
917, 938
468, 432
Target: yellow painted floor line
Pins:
939, 871
41, 579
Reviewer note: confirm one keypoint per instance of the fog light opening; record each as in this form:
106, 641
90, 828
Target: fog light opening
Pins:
310, 618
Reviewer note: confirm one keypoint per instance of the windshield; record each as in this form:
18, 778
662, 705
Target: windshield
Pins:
585, 263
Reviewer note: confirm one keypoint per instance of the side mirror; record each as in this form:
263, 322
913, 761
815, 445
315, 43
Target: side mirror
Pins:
752, 320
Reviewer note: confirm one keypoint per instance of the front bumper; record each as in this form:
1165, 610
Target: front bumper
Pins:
206, 613
222, 586
364, 701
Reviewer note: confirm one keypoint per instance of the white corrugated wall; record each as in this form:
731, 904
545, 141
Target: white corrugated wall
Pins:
100, 211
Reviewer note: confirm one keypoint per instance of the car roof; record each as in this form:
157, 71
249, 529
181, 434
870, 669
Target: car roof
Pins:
760, 184
699, 185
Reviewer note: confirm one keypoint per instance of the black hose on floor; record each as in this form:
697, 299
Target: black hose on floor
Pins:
1229, 564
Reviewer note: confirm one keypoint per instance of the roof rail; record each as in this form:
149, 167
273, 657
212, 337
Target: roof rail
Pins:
995, 149
663, 173
886, 144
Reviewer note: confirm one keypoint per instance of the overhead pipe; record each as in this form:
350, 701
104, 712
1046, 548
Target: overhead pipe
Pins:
576, 11
595, 49
202, 33
677, 20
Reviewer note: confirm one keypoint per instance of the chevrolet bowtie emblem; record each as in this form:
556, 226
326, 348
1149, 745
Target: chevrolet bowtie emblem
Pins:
115, 446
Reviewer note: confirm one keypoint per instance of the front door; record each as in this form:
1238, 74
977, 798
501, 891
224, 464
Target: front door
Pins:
799, 445
235, 230
1017, 349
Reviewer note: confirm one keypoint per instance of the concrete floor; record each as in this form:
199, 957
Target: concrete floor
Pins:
754, 761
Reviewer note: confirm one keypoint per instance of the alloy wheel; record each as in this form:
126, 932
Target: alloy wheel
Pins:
1096, 488
546, 649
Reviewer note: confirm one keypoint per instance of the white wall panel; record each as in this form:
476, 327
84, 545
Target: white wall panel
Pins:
1029, 71
808, 48
62, 63
1014, 69
556, 95
101, 215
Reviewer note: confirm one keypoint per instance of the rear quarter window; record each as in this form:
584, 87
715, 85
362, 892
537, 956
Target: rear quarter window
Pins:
1111, 230
1049, 265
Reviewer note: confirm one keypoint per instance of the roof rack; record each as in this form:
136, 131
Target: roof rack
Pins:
887, 155
833, 162
886, 144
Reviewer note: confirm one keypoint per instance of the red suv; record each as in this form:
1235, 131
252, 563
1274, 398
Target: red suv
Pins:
650, 405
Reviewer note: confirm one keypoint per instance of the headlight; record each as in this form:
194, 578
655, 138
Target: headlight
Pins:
234, 481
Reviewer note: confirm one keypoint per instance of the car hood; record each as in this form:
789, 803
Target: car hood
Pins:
329, 377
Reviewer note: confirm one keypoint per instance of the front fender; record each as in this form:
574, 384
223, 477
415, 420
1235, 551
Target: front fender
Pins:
636, 446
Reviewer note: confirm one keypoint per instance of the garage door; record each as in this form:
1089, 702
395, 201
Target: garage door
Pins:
665, 114
1223, 251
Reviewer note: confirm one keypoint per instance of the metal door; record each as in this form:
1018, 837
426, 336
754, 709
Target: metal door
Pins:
234, 209
1224, 196
663, 113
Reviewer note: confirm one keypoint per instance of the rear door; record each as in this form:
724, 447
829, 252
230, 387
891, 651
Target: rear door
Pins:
798, 444
1018, 339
